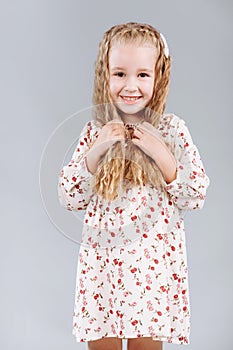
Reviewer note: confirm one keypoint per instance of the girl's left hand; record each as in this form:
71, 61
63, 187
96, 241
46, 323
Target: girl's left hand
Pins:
147, 137
150, 141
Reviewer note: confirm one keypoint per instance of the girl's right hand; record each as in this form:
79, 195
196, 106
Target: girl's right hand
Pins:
111, 132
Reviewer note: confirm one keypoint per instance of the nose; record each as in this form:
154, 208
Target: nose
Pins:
131, 84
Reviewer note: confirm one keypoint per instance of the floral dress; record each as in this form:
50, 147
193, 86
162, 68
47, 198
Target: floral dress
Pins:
132, 277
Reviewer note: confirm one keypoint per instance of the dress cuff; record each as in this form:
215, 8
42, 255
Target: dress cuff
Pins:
175, 186
76, 172
83, 164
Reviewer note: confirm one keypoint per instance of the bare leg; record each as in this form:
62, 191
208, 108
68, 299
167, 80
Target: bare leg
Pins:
144, 343
110, 343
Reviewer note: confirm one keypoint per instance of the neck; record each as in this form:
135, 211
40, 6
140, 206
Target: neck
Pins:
132, 119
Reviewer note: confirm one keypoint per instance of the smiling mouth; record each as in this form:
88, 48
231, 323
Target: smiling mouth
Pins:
130, 98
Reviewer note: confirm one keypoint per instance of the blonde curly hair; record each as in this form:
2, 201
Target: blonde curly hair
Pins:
122, 168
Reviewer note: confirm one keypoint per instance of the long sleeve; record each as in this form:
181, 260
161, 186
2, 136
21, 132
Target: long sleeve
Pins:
188, 190
75, 181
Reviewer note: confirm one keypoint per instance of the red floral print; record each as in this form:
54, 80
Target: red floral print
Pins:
132, 275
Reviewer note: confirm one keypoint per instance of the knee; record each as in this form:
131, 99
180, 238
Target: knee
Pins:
144, 343
105, 344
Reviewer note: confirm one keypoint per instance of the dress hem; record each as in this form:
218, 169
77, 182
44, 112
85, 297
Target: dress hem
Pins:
171, 340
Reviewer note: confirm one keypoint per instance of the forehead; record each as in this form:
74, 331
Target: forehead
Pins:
129, 54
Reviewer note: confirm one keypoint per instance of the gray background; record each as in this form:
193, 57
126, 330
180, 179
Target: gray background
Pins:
47, 58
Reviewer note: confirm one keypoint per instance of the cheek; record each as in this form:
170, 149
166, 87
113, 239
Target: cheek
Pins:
149, 87
114, 86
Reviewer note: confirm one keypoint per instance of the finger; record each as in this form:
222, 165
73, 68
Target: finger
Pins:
137, 134
153, 132
143, 129
136, 141
138, 131
115, 122
118, 134
119, 128
147, 126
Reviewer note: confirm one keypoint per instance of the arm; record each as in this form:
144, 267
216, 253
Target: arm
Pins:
164, 159
188, 189
148, 138
75, 180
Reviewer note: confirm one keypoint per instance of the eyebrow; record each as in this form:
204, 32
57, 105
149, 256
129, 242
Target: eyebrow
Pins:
140, 69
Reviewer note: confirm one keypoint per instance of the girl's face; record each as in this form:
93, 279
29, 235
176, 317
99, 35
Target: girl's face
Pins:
132, 76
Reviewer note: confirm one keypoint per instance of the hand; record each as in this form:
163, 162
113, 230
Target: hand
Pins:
147, 137
110, 133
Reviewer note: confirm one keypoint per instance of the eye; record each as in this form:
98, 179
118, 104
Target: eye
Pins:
119, 74
143, 75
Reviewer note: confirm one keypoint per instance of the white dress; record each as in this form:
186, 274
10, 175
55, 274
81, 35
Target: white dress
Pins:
132, 277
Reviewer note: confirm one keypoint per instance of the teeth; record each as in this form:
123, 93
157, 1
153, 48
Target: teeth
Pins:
130, 98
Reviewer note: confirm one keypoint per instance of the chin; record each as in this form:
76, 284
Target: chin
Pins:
130, 109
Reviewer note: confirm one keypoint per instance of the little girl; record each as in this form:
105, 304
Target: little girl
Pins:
136, 172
